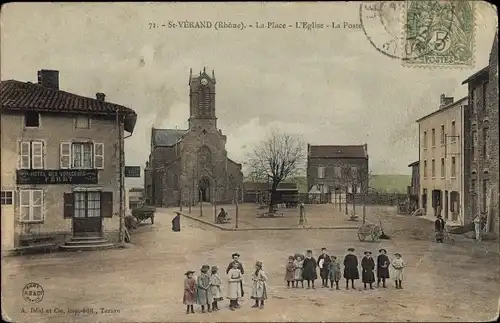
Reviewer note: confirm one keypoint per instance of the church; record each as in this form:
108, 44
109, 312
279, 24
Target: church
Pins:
188, 166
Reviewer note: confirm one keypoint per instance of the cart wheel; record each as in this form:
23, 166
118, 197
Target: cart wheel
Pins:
375, 236
361, 236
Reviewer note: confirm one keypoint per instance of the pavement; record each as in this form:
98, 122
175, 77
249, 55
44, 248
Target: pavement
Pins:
144, 282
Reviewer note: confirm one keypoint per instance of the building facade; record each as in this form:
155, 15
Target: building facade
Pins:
441, 148
60, 163
187, 166
414, 188
337, 170
481, 145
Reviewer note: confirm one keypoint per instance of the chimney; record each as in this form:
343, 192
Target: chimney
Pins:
49, 78
445, 100
100, 96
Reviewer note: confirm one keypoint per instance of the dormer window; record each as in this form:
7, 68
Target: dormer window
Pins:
32, 119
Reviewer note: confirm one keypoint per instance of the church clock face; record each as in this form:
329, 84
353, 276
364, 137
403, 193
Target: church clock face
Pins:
204, 81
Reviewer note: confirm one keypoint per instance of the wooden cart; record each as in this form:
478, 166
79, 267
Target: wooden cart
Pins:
370, 230
142, 213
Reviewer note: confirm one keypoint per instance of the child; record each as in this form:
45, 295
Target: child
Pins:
398, 264
259, 285
290, 272
189, 291
298, 263
368, 265
334, 272
234, 286
204, 292
324, 264
215, 286
350, 268
309, 269
382, 267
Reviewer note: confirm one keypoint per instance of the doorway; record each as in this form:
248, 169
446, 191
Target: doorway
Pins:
204, 187
87, 219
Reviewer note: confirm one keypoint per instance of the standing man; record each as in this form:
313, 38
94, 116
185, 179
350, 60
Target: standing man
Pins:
235, 260
323, 264
439, 228
302, 216
478, 219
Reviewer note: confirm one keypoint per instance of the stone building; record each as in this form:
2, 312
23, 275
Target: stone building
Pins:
441, 147
60, 165
414, 188
337, 170
481, 144
186, 166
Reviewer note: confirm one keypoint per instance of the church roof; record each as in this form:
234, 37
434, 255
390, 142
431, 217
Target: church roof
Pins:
166, 137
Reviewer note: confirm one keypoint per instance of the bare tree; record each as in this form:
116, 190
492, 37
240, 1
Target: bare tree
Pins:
279, 156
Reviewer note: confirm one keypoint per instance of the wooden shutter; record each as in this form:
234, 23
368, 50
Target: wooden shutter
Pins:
25, 152
98, 155
107, 204
69, 205
65, 155
37, 154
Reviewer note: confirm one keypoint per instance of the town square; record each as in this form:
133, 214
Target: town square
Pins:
333, 162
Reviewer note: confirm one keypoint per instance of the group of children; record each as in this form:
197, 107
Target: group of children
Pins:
206, 289
300, 269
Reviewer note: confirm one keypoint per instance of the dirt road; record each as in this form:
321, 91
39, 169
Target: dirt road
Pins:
144, 282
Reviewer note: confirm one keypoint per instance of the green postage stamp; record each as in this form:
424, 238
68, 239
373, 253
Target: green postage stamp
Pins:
439, 33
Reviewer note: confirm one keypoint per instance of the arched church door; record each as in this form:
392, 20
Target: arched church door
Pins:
204, 186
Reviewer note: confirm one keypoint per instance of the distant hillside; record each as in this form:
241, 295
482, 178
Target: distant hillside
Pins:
378, 183
390, 183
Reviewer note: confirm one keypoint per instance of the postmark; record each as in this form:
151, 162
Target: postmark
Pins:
421, 33
33, 293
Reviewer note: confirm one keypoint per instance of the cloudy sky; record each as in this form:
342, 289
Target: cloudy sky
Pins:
328, 86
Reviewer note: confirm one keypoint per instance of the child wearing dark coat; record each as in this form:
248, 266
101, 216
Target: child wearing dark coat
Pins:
189, 292
351, 271
309, 269
383, 263
368, 265
290, 272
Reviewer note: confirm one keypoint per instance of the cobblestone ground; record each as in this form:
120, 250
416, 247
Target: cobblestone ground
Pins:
144, 282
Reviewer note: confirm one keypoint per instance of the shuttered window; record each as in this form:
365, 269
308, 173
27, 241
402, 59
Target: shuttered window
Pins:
81, 155
31, 205
98, 155
88, 204
31, 155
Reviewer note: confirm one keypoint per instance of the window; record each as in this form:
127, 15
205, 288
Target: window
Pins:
484, 196
31, 120
338, 172
87, 204
82, 122
433, 168
425, 168
485, 142
473, 145
81, 155
31, 155
425, 140
354, 172
485, 95
443, 169
7, 197
443, 136
453, 167
473, 186
433, 138
31, 205
321, 172
453, 131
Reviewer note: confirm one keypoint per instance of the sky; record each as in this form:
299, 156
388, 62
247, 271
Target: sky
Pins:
327, 86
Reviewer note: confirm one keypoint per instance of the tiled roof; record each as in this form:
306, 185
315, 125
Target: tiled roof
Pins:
166, 137
481, 73
415, 163
27, 96
337, 151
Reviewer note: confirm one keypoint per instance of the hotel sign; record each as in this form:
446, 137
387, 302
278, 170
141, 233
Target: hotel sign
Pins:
132, 171
57, 176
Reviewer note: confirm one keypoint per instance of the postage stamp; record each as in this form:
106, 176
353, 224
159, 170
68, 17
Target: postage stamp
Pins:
421, 33
439, 33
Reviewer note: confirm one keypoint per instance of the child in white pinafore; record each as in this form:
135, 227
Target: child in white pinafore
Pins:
398, 265
298, 263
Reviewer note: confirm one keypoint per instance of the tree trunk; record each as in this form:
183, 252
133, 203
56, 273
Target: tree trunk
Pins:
272, 198
180, 200
237, 209
353, 203
201, 205
364, 206
190, 200
215, 205
346, 193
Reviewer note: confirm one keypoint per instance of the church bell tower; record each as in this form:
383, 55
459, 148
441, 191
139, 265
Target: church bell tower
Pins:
202, 101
